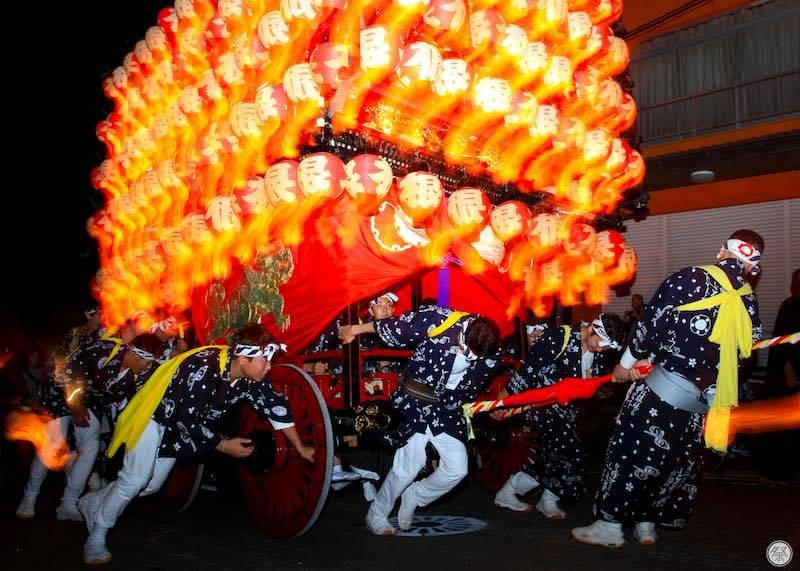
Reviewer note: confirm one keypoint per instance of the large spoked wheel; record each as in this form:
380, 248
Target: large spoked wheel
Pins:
501, 449
181, 487
284, 493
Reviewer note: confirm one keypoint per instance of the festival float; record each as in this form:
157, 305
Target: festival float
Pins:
283, 161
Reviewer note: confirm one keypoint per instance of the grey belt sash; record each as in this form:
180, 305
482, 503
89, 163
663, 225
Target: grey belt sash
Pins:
417, 390
676, 390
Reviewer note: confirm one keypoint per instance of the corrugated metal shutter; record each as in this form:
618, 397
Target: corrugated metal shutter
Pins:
670, 242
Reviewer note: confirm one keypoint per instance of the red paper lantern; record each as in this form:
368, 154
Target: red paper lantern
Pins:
369, 178
446, 14
330, 63
281, 182
252, 198
510, 220
322, 175
223, 214
582, 240
420, 195
544, 234
420, 61
485, 28
271, 103
468, 210
378, 49
610, 245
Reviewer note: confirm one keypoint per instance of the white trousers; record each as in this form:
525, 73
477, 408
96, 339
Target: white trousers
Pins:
142, 473
410, 459
87, 441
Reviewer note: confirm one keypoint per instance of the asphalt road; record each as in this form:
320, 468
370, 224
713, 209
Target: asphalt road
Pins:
733, 524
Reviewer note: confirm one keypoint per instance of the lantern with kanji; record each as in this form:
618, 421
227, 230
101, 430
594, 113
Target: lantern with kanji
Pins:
468, 210
610, 245
321, 175
280, 182
271, 102
378, 49
194, 229
420, 195
446, 14
421, 61
510, 220
545, 233
625, 268
223, 214
369, 179
330, 63
581, 240
252, 197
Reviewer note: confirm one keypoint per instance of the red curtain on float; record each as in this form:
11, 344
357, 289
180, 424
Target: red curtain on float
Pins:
328, 277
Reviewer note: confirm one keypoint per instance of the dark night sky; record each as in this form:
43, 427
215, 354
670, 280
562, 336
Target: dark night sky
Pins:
53, 100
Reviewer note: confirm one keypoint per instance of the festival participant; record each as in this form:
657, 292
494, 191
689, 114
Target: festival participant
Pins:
170, 418
454, 356
97, 373
694, 328
560, 464
171, 334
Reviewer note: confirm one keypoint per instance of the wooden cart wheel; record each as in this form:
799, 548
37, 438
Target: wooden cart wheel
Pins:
182, 484
284, 493
501, 449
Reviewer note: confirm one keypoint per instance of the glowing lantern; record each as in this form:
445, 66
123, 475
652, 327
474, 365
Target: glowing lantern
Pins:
489, 247
597, 145
175, 116
421, 61
273, 30
172, 241
510, 220
579, 26
492, 95
228, 70
152, 187
524, 108
558, 76
514, 41
378, 49
281, 182
300, 9
222, 212
551, 277
167, 176
546, 121
209, 88
142, 52
168, 21
156, 41
571, 133
626, 266
245, 120
271, 103
369, 178
534, 59
468, 209
485, 28
330, 63
544, 234
299, 84
446, 14
194, 229
420, 195
321, 174
190, 101
610, 245
453, 79
252, 198
581, 241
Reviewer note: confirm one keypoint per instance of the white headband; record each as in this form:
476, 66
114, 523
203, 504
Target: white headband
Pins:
605, 338
392, 297
529, 329
468, 353
142, 353
743, 251
242, 350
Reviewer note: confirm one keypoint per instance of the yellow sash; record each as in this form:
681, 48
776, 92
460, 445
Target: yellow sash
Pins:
117, 346
447, 323
140, 409
567, 332
733, 332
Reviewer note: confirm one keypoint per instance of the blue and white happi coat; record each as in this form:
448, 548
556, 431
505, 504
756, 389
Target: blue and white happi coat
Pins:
653, 456
199, 395
431, 363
